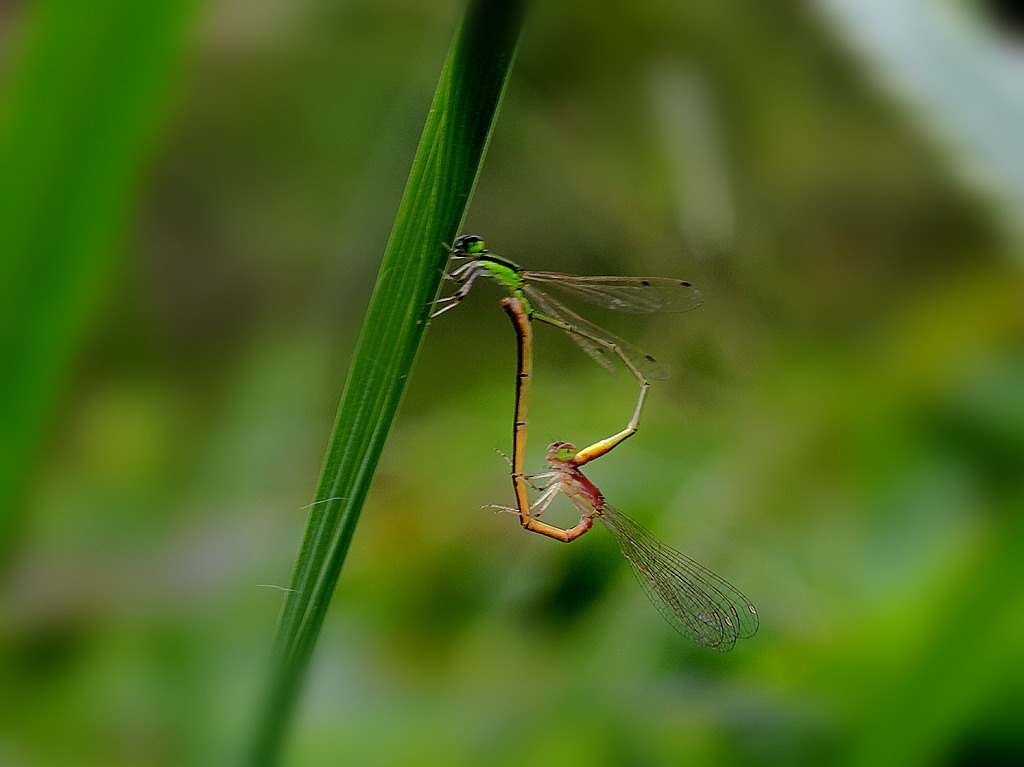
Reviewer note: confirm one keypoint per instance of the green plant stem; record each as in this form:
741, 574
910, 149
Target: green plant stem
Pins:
441, 181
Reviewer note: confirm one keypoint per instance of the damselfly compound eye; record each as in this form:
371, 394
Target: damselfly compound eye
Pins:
469, 243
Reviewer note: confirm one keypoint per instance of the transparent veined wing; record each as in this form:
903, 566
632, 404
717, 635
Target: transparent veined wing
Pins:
635, 295
586, 331
692, 599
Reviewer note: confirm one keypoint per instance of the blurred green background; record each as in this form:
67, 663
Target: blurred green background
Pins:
196, 198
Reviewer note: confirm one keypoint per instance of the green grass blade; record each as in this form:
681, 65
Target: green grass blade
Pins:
441, 181
81, 104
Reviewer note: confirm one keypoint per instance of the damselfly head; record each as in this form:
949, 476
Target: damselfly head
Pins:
560, 452
468, 245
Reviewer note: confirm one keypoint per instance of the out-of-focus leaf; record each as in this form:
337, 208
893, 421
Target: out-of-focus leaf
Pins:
79, 111
963, 84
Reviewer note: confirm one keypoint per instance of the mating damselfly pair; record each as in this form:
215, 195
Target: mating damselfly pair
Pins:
693, 599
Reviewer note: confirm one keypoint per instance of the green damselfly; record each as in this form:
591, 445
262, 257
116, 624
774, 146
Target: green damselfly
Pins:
635, 295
